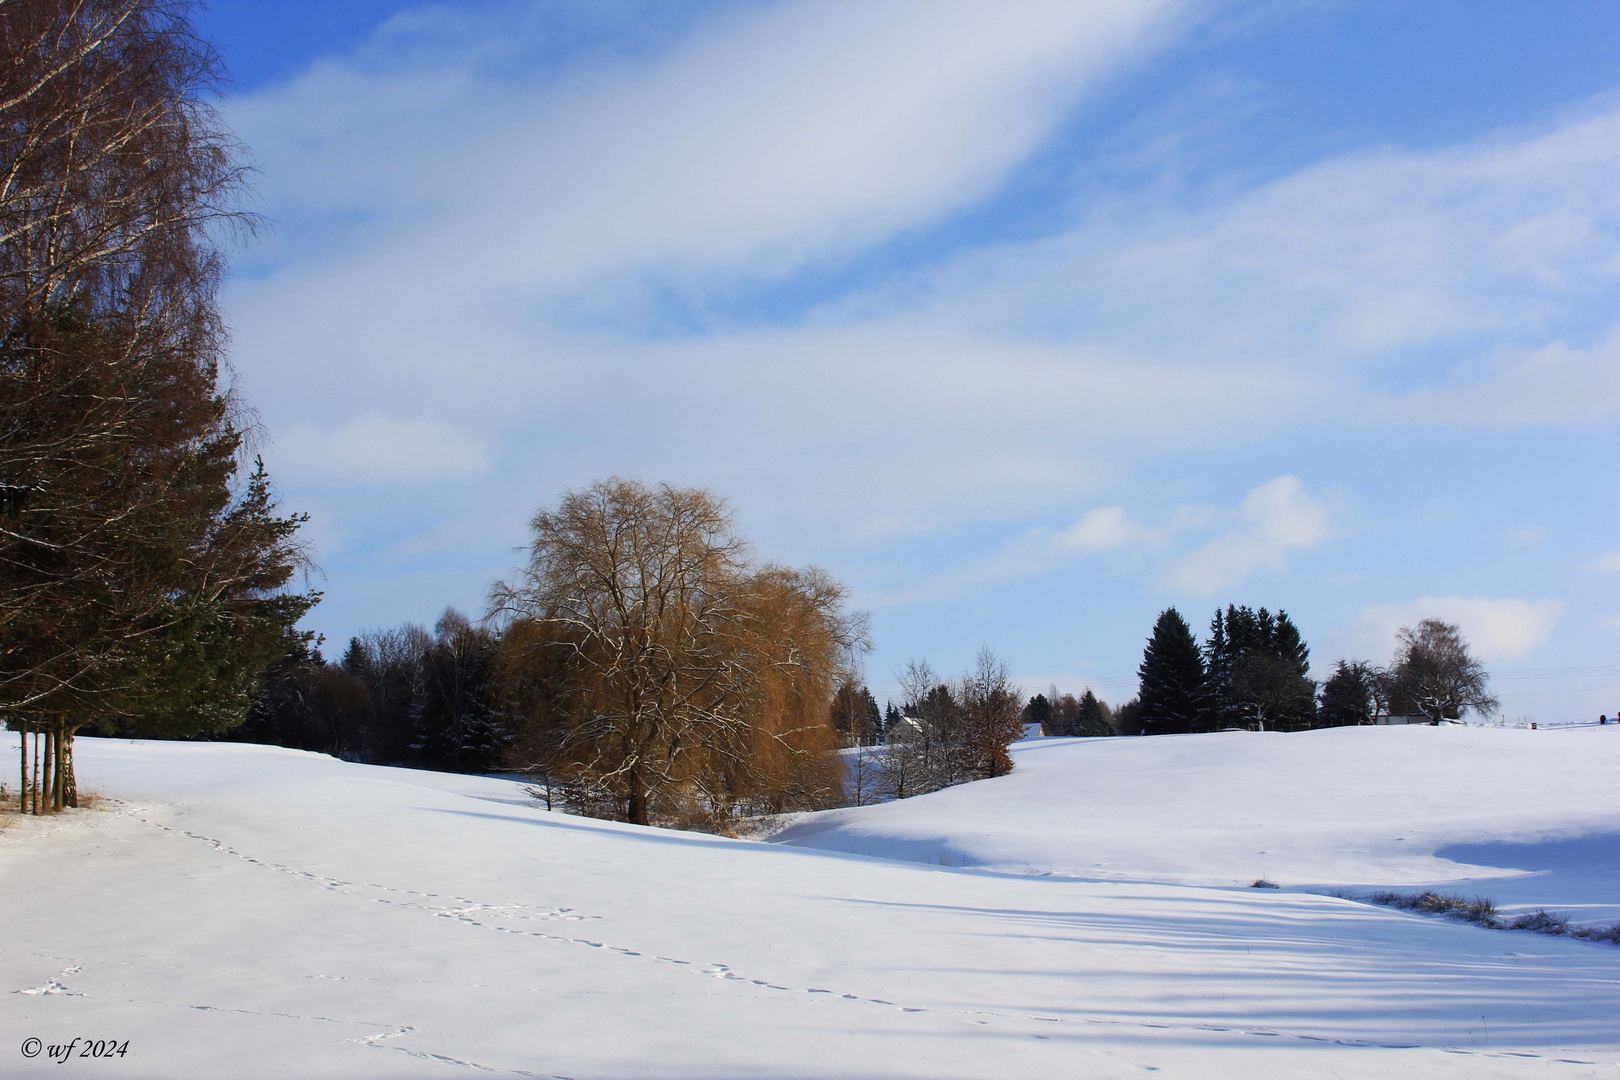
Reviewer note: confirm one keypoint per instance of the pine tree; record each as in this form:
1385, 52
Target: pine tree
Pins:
456, 726
141, 584
1258, 671
891, 717
872, 734
1172, 678
1347, 695
1092, 721
1218, 659
1038, 710
1297, 709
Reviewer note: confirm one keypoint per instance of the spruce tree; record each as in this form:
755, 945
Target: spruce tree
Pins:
1172, 678
872, 733
1258, 671
1039, 711
1298, 706
891, 718
1091, 721
1347, 695
1218, 659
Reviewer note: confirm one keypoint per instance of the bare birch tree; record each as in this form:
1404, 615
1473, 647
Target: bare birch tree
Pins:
1434, 673
132, 573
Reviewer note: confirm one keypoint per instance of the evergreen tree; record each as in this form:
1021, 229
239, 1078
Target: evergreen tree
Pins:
1258, 665
1297, 702
141, 580
1038, 710
1128, 718
873, 733
306, 704
855, 715
1172, 678
891, 717
392, 665
456, 725
1092, 721
1347, 695
1219, 657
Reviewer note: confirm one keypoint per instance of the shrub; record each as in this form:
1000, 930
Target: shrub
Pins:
1611, 934
1540, 922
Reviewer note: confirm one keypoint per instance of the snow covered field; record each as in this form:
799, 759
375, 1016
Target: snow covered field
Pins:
250, 911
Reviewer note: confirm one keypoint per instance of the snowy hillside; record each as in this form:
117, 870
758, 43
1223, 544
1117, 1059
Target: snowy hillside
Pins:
250, 911
1531, 818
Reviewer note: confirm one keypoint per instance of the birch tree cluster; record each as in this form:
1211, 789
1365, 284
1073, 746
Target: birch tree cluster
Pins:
950, 732
143, 563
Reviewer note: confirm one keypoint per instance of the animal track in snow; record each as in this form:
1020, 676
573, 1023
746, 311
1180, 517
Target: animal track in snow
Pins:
498, 917
55, 986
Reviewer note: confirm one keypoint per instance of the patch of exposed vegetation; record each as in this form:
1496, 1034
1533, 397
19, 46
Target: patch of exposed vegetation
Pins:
1483, 912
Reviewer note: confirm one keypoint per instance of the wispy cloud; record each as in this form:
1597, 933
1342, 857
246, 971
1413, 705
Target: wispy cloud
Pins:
1101, 531
1607, 564
1272, 521
764, 252
1355, 263
373, 448
1554, 384
1497, 629
1275, 519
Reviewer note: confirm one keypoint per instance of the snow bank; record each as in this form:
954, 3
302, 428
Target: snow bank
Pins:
250, 912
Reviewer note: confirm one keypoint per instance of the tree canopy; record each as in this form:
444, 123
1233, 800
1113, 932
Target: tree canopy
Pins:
666, 668
1434, 674
1172, 697
143, 579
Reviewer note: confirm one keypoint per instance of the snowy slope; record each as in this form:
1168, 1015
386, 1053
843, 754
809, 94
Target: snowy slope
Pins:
1529, 818
248, 911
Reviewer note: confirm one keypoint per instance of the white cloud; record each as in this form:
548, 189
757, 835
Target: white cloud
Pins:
1527, 537
1036, 551
373, 448
1607, 564
484, 214
773, 135
1352, 264
443, 229
1554, 384
1501, 629
1101, 530
1273, 520
1095, 532
1277, 518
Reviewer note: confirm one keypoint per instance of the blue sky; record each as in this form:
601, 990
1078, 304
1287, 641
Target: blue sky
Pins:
1026, 320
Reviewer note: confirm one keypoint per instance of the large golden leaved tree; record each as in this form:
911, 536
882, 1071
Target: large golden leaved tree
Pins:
648, 657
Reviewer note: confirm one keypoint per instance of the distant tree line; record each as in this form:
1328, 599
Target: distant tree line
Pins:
1253, 671
401, 696
1065, 714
